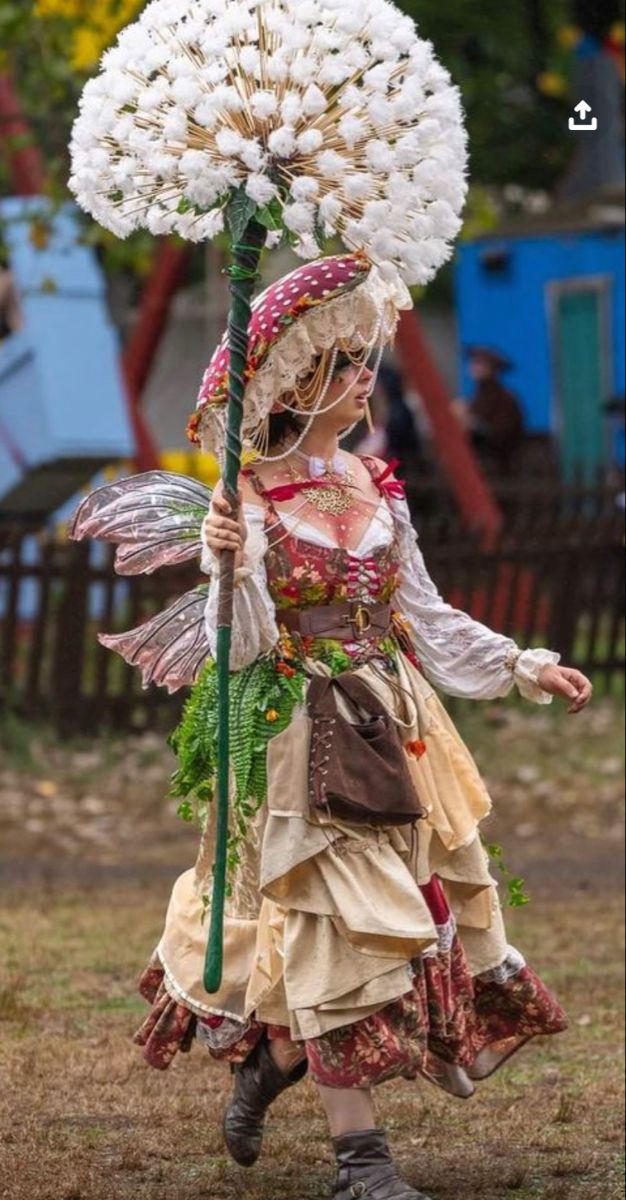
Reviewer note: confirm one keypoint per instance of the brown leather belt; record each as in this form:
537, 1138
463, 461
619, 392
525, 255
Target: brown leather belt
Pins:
349, 621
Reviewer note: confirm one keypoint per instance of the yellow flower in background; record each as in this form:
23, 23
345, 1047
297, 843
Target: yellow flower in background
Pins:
205, 468
86, 49
97, 26
198, 466
569, 36
60, 8
551, 83
176, 461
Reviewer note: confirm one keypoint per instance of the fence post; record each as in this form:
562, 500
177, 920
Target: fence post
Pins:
565, 611
69, 645
12, 579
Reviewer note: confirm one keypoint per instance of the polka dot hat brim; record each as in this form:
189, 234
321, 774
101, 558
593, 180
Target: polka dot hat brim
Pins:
340, 298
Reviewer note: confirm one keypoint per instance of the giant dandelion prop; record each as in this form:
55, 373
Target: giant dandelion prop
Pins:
281, 122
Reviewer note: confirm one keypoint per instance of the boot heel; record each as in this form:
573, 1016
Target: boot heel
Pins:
366, 1169
258, 1083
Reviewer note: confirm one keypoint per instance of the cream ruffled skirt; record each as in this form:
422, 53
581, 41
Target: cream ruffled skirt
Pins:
338, 934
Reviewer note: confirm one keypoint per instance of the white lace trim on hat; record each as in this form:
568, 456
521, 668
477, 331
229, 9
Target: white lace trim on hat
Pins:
366, 315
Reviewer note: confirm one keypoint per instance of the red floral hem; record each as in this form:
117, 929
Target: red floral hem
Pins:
451, 1028
171, 1027
442, 1029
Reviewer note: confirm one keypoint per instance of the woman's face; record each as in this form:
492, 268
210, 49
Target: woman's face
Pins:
350, 388
345, 401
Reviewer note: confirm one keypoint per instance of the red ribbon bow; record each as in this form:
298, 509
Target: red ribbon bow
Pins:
393, 488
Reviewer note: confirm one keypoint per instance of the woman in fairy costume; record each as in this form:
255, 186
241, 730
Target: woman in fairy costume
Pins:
354, 953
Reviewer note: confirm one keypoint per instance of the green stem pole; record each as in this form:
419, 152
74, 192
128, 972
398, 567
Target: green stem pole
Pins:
243, 276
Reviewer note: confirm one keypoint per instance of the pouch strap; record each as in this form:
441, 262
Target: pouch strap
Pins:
322, 696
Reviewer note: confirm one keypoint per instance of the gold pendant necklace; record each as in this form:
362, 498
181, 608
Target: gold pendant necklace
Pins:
331, 496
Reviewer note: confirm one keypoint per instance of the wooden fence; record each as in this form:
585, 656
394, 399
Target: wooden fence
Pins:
554, 577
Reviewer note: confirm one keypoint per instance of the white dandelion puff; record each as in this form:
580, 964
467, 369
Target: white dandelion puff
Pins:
337, 114
358, 187
261, 189
229, 143
264, 105
282, 142
305, 187
331, 164
300, 217
314, 101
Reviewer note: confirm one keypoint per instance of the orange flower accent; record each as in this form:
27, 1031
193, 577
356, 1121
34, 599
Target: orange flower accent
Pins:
417, 748
272, 715
284, 669
192, 429
287, 649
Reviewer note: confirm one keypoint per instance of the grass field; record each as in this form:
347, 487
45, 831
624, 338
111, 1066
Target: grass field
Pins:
87, 852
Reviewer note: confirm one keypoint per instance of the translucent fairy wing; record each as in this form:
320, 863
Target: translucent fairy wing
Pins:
170, 649
154, 518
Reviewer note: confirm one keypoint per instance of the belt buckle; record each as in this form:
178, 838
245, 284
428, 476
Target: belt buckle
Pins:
361, 620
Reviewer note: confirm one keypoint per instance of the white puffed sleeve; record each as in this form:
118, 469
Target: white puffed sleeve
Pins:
460, 655
255, 630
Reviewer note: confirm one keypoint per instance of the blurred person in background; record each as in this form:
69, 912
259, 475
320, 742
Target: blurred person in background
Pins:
10, 314
403, 440
493, 417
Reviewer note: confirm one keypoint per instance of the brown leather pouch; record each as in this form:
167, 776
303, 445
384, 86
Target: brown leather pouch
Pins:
358, 770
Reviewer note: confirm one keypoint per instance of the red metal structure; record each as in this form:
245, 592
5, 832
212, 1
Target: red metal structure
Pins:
477, 504
25, 161
138, 356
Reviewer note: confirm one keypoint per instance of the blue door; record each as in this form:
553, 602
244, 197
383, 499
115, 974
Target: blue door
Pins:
581, 366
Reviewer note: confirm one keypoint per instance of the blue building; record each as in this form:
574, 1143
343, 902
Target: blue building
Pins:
63, 411
550, 296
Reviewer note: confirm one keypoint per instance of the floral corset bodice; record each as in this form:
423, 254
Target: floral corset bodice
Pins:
301, 574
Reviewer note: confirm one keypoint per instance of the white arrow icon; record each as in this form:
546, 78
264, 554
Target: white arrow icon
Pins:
583, 108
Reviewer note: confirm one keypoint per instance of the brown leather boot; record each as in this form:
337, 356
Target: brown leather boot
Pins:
258, 1083
366, 1169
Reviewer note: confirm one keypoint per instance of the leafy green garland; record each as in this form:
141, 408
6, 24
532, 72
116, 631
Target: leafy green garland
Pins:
263, 696
515, 885
261, 704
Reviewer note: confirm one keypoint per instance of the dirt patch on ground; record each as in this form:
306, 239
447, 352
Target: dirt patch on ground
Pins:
89, 845
83, 1118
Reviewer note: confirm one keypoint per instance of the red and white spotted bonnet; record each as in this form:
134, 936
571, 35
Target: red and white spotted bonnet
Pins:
340, 299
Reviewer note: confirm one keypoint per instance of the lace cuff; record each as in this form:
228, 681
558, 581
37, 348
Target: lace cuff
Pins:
254, 630
526, 672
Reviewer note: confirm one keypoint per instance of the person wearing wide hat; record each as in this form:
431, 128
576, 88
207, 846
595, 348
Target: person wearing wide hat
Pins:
355, 951
493, 415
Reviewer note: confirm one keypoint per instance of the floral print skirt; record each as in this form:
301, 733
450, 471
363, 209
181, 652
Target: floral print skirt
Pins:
451, 1028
